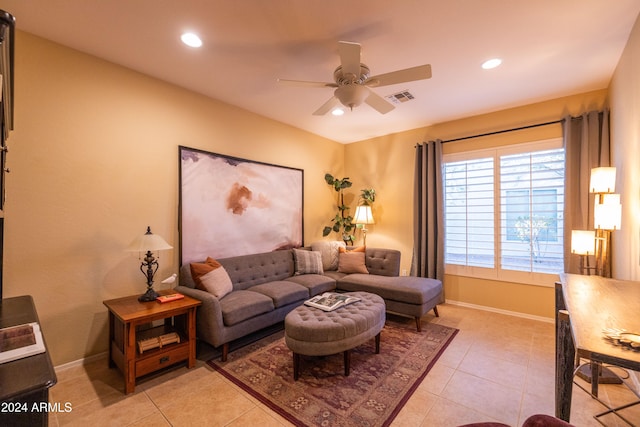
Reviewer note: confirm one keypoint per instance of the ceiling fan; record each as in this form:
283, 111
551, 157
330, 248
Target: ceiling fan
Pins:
352, 81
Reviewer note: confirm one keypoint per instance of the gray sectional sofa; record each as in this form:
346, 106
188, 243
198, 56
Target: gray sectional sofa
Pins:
266, 288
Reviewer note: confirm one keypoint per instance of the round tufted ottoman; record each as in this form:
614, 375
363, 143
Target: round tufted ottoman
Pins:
313, 332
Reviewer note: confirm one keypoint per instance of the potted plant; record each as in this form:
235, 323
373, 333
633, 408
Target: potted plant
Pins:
367, 196
342, 221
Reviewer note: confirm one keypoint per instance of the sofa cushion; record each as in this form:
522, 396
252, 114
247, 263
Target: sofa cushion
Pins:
352, 261
210, 276
307, 262
242, 305
335, 275
408, 289
282, 292
315, 283
329, 251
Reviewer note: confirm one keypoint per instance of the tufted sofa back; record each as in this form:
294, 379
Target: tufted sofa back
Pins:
384, 262
246, 271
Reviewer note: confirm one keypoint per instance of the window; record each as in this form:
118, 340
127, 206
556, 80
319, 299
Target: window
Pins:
504, 211
469, 213
519, 213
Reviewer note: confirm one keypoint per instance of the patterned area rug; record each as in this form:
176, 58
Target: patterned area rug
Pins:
372, 395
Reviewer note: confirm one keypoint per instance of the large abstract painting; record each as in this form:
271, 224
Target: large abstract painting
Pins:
231, 206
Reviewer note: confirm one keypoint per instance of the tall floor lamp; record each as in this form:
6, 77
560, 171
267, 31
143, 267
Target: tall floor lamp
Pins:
607, 215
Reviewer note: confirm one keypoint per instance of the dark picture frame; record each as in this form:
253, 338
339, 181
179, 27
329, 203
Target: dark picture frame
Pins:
231, 206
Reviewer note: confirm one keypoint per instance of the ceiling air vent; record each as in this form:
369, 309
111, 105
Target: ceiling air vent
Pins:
400, 97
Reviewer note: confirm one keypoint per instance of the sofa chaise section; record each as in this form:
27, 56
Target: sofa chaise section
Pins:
406, 295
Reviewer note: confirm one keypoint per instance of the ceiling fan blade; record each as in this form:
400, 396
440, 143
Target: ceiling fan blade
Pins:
420, 72
327, 106
350, 58
306, 83
378, 103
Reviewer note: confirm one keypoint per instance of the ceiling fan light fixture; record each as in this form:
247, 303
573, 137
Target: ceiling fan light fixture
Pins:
353, 83
337, 112
191, 39
491, 63
351, 95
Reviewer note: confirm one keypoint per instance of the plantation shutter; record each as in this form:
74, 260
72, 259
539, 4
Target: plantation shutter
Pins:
469, 207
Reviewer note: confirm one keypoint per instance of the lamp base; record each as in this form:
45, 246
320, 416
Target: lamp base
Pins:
150, 295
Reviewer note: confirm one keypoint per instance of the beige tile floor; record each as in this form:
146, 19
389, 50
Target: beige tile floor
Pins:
498, 368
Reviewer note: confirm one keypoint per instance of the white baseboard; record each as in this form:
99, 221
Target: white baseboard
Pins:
81, 362
499, 310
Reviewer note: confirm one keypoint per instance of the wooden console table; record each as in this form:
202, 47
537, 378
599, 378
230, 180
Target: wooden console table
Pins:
24, 383
128, 319
585, 305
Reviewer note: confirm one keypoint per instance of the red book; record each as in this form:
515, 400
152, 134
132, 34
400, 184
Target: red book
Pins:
170, 297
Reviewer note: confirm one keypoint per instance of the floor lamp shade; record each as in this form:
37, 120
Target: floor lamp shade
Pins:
363, 215
608, 214
583, 242
603, 180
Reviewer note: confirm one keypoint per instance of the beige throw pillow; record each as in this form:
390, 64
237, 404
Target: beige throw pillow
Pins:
329, 251
211, 277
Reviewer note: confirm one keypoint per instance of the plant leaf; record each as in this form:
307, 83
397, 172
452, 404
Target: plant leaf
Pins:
329, 178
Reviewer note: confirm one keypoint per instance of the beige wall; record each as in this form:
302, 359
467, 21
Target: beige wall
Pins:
625, 136
387, 164
94, 160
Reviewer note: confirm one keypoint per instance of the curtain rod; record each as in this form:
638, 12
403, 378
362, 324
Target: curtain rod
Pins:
504, 131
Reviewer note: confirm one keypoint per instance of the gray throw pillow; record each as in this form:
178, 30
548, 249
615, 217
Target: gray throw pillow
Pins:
308, 262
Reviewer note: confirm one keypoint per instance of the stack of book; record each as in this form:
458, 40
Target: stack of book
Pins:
158, 342
170, 297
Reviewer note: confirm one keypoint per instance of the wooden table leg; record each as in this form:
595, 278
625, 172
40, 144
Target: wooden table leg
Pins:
596, 372
191, 327
347, 362
296, 366
565, 351
130, 358
111, 338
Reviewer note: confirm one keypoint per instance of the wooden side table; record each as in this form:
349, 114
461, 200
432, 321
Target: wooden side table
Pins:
131, 321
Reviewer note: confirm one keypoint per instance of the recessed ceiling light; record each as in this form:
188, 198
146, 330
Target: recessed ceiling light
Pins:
191, 39
492, 63
337, 111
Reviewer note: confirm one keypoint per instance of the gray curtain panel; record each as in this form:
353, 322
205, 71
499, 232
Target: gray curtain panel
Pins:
586, 144
428, 212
